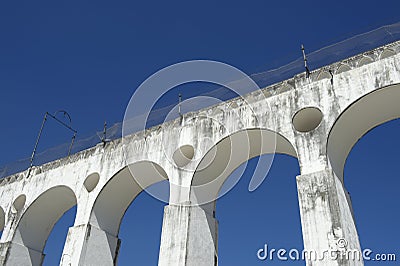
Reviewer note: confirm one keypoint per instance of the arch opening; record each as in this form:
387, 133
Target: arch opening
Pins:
371, 177
227, 155
269, 215
371, 110
111, 205
236, 161
140, 229
120, 191
54, 247
38, 221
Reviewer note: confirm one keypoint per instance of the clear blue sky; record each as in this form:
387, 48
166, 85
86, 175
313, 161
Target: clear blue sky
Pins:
87, 57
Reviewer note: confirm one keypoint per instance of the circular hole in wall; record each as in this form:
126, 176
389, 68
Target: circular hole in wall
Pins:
183, 155
91, 181
307, 119
19, 203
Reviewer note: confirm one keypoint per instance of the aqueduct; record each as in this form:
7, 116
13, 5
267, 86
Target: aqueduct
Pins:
317, 119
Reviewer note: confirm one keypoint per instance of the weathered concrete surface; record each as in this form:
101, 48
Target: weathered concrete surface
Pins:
96, 248
189, 237
326, 217
20, 255
362, 94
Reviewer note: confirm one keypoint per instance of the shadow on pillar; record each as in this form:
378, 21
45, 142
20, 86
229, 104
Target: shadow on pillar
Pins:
17, 254
100, 247
189, 237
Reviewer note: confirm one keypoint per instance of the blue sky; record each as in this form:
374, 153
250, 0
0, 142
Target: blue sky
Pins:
87, 57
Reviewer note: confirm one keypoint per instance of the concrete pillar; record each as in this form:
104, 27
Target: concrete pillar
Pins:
17, 254
89, 245
327, 221
189, 237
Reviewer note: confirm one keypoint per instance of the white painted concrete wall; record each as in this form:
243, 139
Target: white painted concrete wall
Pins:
358, 99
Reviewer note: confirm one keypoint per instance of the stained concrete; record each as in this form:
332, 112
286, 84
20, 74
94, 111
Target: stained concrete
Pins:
362, 95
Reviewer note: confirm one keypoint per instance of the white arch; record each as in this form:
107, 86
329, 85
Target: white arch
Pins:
324, 75
369, 111
364, 61
39, 219
387, 53
120, 191
342, 68
228, 154
102, 242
